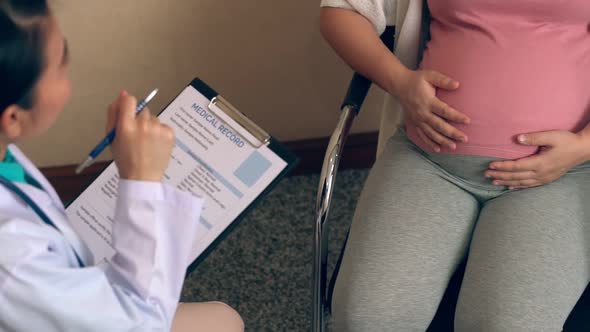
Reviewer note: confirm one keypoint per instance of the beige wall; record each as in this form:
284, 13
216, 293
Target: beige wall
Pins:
266, 56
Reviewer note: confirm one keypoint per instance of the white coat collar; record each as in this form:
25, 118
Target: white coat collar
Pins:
48, 200
36, 174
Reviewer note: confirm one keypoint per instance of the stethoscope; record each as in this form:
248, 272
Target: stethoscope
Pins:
21, 194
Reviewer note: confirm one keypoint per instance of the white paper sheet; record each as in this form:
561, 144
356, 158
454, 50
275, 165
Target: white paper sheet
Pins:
209, 160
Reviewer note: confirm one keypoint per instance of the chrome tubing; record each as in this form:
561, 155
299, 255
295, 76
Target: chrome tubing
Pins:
325, 190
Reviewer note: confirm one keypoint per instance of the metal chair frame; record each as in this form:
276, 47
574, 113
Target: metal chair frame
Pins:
327, 180
357, 92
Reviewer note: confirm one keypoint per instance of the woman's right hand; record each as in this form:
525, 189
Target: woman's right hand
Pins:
430, 115
143, 146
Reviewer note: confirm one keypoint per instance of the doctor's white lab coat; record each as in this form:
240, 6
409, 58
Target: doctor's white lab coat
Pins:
42, 288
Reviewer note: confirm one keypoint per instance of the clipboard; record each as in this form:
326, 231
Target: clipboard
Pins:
263, 137
259, 138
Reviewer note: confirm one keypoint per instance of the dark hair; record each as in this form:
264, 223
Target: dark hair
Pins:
22, 56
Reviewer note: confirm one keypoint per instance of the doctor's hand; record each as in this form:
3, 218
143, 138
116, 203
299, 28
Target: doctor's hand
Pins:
431, 116
560, 150
143, 146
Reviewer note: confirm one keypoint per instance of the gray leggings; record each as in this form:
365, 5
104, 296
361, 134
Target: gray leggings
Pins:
420, 214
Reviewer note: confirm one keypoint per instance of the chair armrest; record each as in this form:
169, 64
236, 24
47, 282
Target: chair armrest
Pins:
359, 85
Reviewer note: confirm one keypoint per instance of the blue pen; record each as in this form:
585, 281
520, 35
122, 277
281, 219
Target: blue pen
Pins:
111, 136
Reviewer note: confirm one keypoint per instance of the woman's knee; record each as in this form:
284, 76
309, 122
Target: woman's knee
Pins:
395, 307
229, 316
483, 311
469, 318
209, 316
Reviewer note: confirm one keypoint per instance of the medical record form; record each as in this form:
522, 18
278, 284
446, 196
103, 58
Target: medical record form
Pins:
220, 155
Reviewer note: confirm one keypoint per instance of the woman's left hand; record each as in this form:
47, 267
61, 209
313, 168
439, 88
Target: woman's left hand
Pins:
560, 150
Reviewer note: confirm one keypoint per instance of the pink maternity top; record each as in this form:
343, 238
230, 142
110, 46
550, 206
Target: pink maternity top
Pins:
523, 66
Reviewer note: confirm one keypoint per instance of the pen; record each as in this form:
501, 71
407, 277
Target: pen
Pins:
111, 136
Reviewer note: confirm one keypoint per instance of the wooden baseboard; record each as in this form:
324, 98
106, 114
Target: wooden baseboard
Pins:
359, 152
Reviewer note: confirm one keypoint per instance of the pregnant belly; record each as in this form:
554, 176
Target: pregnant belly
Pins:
509, 91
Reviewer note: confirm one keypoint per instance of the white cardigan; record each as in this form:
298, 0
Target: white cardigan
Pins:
406, 16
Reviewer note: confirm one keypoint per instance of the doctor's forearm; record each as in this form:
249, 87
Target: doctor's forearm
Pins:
354, 39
